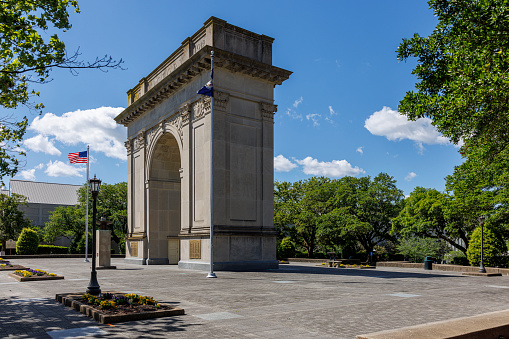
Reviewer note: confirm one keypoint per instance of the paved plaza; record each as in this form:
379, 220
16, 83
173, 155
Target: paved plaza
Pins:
295, 301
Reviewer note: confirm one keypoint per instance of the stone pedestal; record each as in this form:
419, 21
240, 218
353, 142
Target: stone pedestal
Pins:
103, 250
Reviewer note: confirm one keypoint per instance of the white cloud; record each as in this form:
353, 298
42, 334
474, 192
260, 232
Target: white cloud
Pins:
410, 176
94, 127
297, 102
359, 149
331, 111
60, 169
282, 164
314, 118
41, 143
334, 168
40, 166
28, 174
293, 114
394, 126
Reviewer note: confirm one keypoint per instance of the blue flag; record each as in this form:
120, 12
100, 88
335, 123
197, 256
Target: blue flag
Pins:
208, 89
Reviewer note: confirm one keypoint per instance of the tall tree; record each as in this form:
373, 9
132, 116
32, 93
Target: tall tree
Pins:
427, 215
111, 204
379, 201
12, 220
27, 55
67, 221
462, 69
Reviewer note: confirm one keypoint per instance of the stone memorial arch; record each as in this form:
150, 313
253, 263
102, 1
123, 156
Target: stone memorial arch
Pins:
169, 154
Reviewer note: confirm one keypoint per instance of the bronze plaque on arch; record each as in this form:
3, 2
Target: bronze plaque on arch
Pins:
194, 249
134, 249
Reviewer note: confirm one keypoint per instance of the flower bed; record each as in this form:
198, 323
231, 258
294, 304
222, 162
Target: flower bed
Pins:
356, 266
34, 275
114, 307
5, 265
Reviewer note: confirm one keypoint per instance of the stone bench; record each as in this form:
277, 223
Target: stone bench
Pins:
488, 325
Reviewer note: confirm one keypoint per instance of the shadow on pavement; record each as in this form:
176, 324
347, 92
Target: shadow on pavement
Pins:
358, 272
38, 317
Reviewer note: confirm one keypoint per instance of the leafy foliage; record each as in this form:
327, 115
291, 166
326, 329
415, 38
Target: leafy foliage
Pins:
28, 242
493, 246
320, 213
69, 221
427, 214
27, 55
463, 73
417, 248
12, 220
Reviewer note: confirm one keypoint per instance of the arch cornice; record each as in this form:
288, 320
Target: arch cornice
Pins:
160, 88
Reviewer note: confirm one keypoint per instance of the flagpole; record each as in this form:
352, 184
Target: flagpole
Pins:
211, 273
86, 213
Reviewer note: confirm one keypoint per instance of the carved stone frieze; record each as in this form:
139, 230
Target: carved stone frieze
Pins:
268, 111
176, 122
221, 100
201, 107
139, 141
185, 113
129, 147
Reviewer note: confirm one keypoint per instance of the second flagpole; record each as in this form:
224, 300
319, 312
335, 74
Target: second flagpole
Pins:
86, 212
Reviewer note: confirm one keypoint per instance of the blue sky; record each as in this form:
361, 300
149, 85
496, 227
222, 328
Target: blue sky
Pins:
337, 114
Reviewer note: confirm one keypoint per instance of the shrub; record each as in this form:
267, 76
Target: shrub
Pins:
457, 258
418, 248
52, 249
285, 249
28, 242
494, 246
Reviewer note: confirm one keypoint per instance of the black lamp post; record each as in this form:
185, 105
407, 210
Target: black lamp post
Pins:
481, 266
93, 286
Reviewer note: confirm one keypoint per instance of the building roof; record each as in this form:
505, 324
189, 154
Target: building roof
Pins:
45, 192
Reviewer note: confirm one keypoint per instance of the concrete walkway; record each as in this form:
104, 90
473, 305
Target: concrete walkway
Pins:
295, 301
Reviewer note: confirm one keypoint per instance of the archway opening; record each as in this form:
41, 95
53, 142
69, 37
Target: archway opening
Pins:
164, 201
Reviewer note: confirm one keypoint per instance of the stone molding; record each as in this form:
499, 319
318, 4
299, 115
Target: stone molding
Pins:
192, 68
129, 147
139, 142
221, 100
185, 113
268, 111
200, 107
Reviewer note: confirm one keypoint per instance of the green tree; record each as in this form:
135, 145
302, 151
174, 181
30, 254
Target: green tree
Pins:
416, 248
27, 56
12, 220
462, 68
493, 246
426, 214
320, 213
28, 242
480, 187
69, 221
300, 209
379, 202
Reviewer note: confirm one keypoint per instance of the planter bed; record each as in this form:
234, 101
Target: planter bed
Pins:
125, 313
35, 277
12, 268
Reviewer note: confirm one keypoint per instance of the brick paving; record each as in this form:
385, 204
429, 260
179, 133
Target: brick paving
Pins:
296, 301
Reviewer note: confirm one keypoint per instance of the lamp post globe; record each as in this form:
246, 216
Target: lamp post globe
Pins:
93, 286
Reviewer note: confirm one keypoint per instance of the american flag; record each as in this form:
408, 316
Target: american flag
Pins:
78, 157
